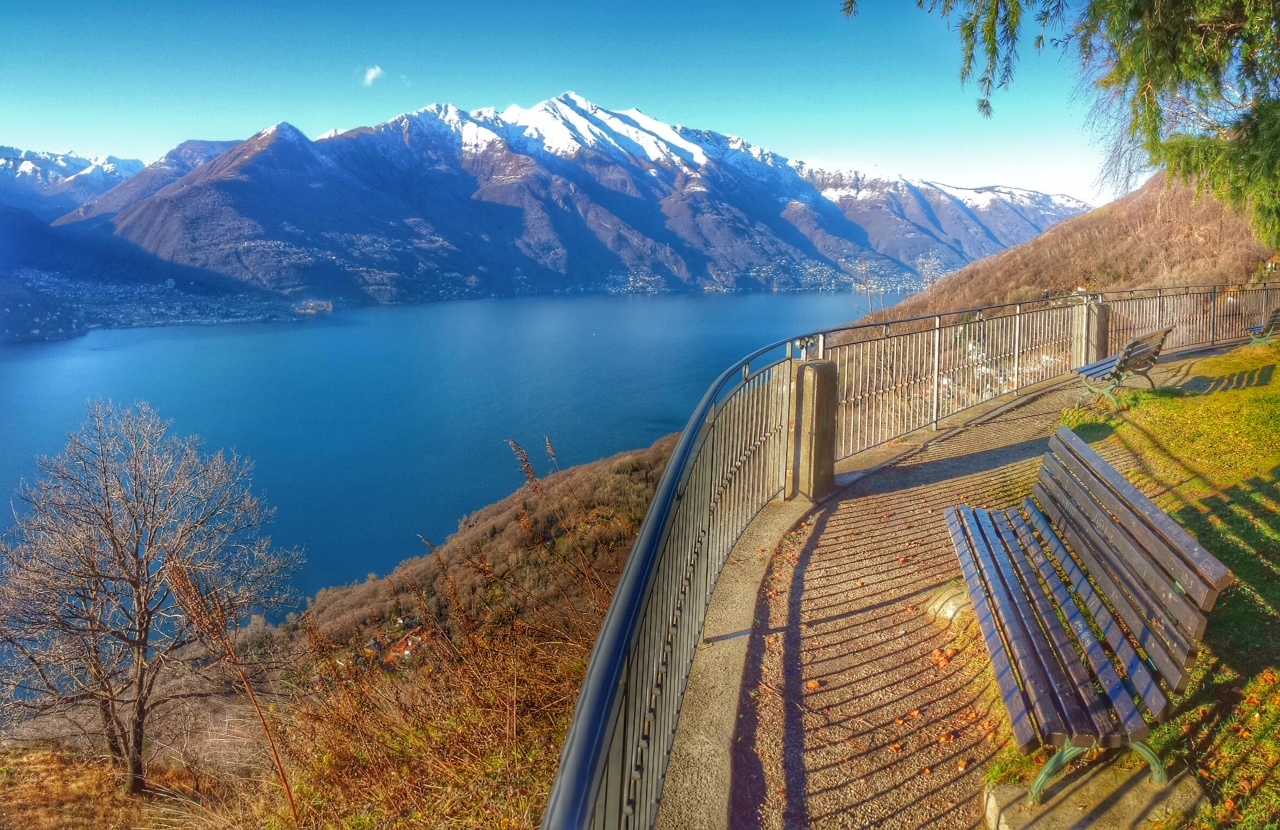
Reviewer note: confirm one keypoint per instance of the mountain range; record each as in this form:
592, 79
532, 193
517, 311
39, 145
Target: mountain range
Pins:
442, 203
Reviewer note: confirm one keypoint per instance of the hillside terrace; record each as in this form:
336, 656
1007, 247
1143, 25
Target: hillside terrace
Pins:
832, 696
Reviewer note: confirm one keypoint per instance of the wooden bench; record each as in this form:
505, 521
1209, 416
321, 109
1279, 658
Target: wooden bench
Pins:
1089, 599
1264, 332
1136, 358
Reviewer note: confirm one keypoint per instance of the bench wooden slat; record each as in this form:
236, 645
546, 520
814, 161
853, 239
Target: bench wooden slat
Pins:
1101, 368
1115, 691
1136, 669
1215, 574
1133, 604
1085, 711
1169, 667
1090, 566
1015, 702
1175, 570
1035, 682
1154, 592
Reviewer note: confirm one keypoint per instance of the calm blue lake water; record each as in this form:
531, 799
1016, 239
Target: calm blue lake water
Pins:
369, 428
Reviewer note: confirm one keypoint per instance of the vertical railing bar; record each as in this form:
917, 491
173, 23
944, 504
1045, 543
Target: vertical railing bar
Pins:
1213, 317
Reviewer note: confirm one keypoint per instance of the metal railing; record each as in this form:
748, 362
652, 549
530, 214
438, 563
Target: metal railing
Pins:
732, 460
729, 463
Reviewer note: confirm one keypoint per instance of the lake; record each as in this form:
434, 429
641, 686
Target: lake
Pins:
369, 428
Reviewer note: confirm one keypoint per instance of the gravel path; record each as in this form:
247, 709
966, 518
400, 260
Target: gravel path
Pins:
851, 713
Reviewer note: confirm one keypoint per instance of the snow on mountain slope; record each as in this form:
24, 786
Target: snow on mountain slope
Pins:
49, 184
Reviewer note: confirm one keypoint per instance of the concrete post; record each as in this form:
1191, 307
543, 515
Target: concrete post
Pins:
1080, 334
1100, 317
811, 455
1090, 324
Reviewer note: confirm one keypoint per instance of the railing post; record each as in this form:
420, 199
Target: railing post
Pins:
1090, 331
1080, 332
812, 444
1017, 348
1213, 317
1100, 317
937, 367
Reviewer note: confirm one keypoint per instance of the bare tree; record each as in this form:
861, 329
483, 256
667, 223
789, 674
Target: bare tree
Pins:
929, 269
89, 627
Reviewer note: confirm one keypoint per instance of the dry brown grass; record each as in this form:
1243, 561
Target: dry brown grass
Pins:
519, 541
463, 732
44, 789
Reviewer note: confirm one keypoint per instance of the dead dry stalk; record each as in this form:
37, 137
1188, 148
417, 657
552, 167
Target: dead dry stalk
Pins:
211, 620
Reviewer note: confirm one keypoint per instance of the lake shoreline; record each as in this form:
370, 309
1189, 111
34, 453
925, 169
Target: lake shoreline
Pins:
113, 315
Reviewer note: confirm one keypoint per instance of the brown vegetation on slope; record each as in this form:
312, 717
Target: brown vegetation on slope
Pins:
514, 557
459, 721
436, 696
1160, 235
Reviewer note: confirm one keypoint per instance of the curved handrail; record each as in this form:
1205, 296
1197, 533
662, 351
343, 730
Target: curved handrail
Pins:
578, 779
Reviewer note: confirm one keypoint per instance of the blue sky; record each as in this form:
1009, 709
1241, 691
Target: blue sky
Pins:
878, 93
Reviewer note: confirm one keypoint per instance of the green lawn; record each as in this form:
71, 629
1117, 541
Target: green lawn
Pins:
1208, 452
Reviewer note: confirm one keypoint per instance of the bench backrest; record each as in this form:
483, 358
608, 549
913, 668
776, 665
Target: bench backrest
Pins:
1153, 576
1272, 323
1141, 353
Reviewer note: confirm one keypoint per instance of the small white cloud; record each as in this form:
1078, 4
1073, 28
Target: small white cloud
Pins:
372, 74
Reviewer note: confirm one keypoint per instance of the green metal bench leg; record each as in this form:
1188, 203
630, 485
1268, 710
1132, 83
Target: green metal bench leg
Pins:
1148, 378
1065, 755
1051, 768
1101, 390
1158, 773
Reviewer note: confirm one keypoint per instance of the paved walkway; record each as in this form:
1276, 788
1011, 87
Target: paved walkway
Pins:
856, 710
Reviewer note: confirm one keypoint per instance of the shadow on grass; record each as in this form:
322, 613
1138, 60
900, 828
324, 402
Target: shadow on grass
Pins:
1203, 384
1226, 724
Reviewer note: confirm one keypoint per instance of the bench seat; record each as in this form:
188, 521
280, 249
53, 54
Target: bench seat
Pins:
1091, 602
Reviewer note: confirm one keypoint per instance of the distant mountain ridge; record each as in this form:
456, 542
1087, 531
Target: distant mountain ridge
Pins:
49, 184
150, 180
562, 196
